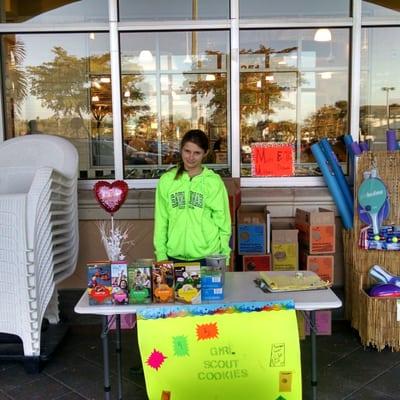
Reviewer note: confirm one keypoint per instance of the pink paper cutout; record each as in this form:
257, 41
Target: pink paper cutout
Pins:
155, 359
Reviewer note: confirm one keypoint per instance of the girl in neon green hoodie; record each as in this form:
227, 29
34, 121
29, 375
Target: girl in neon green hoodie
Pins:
192, 218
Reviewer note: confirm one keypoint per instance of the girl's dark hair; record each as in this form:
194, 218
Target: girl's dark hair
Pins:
196, 136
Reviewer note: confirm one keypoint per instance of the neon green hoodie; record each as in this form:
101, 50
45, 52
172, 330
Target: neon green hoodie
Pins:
192, 218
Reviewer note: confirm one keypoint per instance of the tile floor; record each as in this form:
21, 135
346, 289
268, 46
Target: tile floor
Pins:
345, 369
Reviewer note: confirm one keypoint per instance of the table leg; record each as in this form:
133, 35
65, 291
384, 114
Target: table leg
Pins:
118, 350
313, 335
106, 359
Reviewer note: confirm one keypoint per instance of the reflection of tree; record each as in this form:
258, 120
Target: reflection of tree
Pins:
268, 93
63, 85
132, 97
261, 95
16, 83
215, 89
330, 121
258, 95
59, 84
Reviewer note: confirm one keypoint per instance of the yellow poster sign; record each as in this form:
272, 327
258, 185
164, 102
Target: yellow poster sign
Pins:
235, 356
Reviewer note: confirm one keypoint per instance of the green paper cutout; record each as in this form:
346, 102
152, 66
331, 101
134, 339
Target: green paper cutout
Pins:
181, 347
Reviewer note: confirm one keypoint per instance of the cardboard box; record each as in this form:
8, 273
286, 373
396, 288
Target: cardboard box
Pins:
257, 262
284, 250
99, 282
119, 282
234, 195
212, 284
211, 278
253, 224
139, 281
321, 264
316, 230
323, 320
187, 283
162, 274
208, 294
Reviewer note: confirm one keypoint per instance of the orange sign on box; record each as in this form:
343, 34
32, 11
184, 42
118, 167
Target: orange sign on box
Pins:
272, 159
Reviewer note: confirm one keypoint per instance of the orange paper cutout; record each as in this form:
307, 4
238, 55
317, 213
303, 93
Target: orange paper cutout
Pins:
207, 331
165, 395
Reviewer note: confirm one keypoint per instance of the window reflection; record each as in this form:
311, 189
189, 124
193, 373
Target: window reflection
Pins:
55, 11
293, 89
293, 8
180, 84
61, 85
133, 10
381, 8
380, 84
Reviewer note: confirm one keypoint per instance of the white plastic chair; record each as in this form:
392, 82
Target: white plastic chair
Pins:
38, 231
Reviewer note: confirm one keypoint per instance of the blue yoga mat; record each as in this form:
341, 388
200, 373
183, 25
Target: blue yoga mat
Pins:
338, 172
333, 186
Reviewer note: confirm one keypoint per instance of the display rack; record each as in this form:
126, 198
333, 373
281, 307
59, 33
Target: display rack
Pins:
374, 318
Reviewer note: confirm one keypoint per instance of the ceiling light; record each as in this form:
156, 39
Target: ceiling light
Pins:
326, 75
323, 35
258, 84
105, 79
188, 59
145, 56
127, 93
95, 98
92, 36
210, 77
269, 78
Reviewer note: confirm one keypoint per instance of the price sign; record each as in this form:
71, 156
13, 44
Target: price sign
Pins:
272, 159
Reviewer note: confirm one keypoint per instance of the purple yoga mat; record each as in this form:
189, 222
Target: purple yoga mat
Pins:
391, 140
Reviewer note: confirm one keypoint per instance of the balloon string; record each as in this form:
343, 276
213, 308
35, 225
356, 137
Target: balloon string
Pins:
112, 225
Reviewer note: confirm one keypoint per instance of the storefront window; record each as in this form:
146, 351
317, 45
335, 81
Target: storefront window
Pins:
380, 83
294, 8
381, 8
60, 84
54, 12
293, 90
134, 10
173, 82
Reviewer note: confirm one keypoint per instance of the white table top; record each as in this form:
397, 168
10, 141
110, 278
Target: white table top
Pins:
239, 287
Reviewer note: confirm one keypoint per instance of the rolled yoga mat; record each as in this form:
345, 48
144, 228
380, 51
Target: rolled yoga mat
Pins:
356, 149
348, 140
338, 172
391, 141
363, 146
333, 186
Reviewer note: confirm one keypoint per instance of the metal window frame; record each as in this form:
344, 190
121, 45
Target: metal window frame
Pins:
233, 24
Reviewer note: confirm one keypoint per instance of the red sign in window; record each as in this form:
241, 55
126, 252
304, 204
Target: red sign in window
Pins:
272, 159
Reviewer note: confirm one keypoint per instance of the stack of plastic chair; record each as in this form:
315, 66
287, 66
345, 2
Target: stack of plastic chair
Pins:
38, 232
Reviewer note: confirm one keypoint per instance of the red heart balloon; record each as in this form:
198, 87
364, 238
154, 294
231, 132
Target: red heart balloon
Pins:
111, 196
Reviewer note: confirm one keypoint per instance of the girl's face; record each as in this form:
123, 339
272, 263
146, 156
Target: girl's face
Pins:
192, 157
